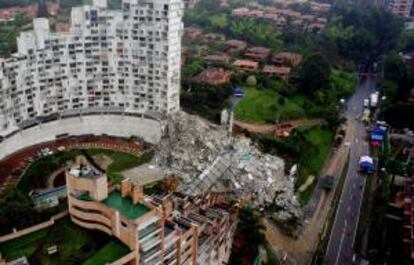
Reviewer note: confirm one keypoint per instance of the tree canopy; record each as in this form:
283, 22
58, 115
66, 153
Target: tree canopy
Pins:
362, 33
314, 74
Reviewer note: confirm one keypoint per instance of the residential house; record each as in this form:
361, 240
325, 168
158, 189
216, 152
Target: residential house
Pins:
214, 76
213, 37
217, 58
286, 59
246, 65
257, 53
279, 71
193, 32
234, 46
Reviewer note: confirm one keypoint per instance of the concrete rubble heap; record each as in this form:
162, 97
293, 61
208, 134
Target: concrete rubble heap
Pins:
206, 159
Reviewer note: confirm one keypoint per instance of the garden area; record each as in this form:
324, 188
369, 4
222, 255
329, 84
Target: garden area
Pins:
75, 246
267, 106
39, 171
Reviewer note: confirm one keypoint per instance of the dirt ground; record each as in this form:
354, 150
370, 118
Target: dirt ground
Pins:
270, 128
103, 161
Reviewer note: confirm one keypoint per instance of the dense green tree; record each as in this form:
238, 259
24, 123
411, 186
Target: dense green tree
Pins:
7, 42
11, 3
406, 42
250, 230
191, 69
219, 22
376, 31
251, 80
395, 80
42, 9
314, 74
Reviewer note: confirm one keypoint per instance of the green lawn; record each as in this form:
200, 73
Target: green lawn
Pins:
313, 159
75, 244
120, 161
125, 205
110, 252
23, 246
264, 106
38, 172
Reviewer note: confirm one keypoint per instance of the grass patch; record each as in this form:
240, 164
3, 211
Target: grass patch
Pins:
22, 246
272, 258
121, 161
75, 245
313, 158
110, 252
306, 195
263, 106
38, 172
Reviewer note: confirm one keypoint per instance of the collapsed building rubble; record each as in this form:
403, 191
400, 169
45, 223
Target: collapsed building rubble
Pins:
206, 159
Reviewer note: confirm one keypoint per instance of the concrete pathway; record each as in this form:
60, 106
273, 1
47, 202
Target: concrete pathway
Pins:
270, 128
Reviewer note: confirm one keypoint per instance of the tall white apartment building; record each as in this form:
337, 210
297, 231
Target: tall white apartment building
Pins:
122, 61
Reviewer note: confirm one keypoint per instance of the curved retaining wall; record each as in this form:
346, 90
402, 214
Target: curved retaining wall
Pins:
150, 130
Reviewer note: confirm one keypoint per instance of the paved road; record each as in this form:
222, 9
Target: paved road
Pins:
340, 247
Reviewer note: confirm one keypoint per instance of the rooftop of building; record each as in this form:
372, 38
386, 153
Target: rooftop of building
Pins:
276, 69
214, 76
85, 171
258, 49
125, 206
235, 43
245, 63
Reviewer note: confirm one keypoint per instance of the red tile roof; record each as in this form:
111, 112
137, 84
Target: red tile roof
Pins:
260, 53
281, 71
287, 58
214, 76
246, 65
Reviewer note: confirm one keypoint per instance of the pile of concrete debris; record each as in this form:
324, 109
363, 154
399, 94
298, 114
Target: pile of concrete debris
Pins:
207, 159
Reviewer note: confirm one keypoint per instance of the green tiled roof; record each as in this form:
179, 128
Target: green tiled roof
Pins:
125, 205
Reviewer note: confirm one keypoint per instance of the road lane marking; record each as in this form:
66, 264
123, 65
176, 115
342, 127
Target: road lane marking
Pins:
341, 243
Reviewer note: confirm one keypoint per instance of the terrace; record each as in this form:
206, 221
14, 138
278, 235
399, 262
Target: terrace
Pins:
125, 206
75, 245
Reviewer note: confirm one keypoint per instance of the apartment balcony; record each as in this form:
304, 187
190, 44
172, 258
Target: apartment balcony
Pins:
155, 252
171, 262
148, 235
150, 244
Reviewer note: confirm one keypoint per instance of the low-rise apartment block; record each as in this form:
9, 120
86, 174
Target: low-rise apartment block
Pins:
158, 229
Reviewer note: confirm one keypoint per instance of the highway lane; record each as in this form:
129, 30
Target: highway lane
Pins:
340, 246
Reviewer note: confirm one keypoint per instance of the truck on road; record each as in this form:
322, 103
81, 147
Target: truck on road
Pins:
374, 99
366, 164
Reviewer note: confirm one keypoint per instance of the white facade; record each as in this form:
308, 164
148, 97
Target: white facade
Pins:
110, 61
